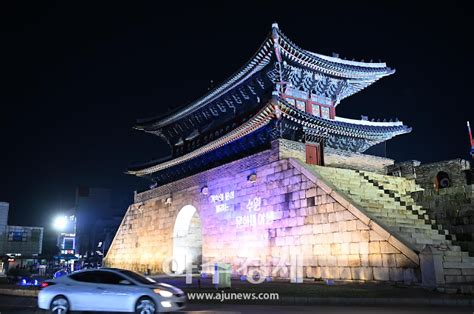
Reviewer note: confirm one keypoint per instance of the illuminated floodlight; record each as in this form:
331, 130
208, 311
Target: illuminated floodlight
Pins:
60, 223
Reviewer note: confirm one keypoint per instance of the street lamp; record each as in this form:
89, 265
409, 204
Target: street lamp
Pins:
60, 223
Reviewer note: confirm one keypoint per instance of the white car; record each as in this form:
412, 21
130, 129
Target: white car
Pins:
109, 289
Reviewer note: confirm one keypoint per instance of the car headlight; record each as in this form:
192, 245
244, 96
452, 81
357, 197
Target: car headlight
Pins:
163, 293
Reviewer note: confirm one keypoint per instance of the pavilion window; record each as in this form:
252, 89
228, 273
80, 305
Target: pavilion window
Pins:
325, 112
316, 110
291, 101
300, 105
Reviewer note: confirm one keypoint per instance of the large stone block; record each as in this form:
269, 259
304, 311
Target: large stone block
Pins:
322, 249
331, 273
362, 273
375, 260
374, 236
364, 248
331, 260
396, 274
374, 247
345, 273
351, 225
388, 260
381, 273
403, 262
342, 260
386, 247
354, 260
354, 248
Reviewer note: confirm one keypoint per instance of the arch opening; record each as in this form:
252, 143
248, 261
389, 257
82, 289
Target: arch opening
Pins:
442, 180
187, 240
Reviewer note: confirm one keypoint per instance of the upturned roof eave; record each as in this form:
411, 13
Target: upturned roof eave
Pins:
259, 120
258, 61
354, 70
262, 118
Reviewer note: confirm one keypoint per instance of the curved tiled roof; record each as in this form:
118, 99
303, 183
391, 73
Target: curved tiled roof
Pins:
359, 75
331, 65
372, 132
260, 59
262, 118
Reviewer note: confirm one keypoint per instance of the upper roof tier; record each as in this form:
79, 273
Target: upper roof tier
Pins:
278, 62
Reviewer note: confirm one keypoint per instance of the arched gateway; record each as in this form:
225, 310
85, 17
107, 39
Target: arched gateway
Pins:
187, 239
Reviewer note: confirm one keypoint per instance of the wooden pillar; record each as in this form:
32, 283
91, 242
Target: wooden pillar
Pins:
332, 112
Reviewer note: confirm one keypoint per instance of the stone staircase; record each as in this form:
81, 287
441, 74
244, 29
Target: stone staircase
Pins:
388, 201
399, 190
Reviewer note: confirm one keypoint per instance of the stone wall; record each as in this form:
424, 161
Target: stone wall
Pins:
406, 169
456, 169
334, 157
290, 149
453, 206
284, 217
202, 178
358, 161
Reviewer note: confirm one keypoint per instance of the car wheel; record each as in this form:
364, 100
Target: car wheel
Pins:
145, 306
59, 305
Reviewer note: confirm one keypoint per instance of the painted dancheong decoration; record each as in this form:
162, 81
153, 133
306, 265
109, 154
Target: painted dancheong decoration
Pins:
283, 91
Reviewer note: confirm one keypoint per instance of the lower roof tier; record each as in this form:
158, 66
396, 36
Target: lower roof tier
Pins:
277, 119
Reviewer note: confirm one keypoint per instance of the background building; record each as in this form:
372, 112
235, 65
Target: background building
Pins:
3, 223
19, 245
96, 224
91, 205
101, 237
3, 228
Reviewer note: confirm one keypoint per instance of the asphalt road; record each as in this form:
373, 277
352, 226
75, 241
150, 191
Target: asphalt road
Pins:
13, 304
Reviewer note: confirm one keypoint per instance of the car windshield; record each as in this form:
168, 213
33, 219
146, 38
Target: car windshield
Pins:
137, 277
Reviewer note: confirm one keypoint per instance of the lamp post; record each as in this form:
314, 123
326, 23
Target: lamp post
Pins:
65, 226
60, 223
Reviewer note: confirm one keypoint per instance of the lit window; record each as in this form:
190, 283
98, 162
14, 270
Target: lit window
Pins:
315, 109
17, 236
300, 105
325, 112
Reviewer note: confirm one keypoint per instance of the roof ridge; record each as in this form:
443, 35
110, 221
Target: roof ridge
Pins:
333, 60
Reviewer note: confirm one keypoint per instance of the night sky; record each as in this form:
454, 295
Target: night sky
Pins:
75, 77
